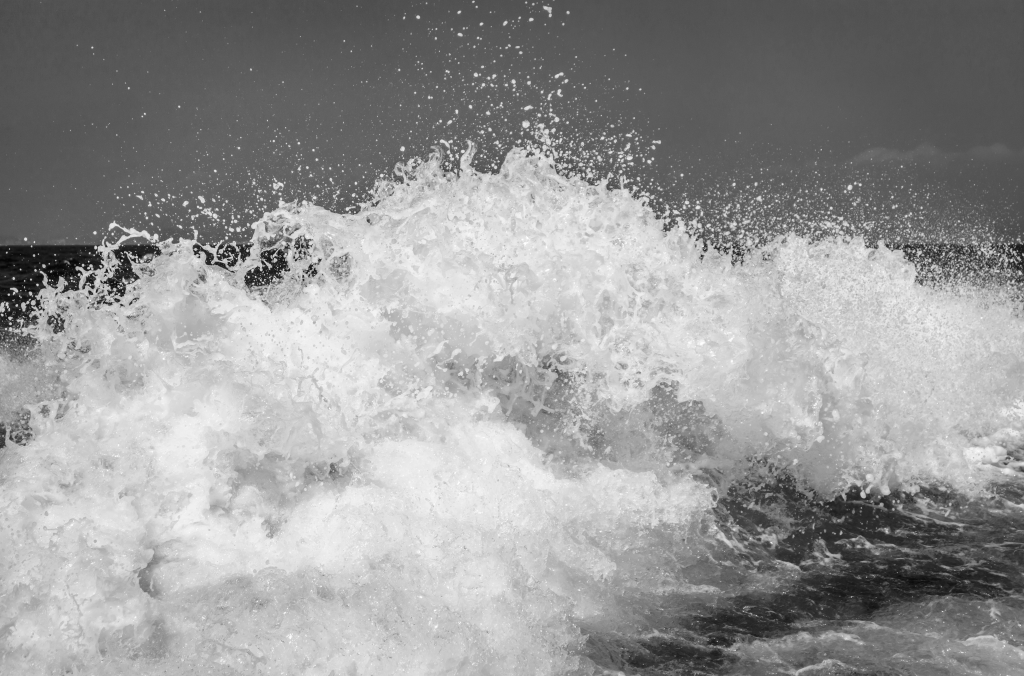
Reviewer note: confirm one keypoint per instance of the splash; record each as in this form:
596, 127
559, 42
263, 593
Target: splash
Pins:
458, 431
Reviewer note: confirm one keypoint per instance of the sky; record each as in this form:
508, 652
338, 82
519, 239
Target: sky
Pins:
126, 111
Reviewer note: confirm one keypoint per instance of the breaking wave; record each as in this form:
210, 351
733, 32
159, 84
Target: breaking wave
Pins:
485, 425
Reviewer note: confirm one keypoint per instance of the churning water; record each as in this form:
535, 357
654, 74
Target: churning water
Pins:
507, 424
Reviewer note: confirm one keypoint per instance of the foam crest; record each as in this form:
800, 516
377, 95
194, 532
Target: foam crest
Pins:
860, 370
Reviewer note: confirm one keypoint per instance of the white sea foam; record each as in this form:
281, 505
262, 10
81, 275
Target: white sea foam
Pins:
466, 422
952, 635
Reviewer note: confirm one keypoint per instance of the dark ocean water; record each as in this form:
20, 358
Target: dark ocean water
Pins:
581, 537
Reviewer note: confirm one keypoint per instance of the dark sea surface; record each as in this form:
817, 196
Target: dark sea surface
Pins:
24, 269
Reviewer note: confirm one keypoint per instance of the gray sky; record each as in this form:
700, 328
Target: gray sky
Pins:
108, 101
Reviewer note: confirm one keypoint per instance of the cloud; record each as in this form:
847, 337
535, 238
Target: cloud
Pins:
929, 154
996, 151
